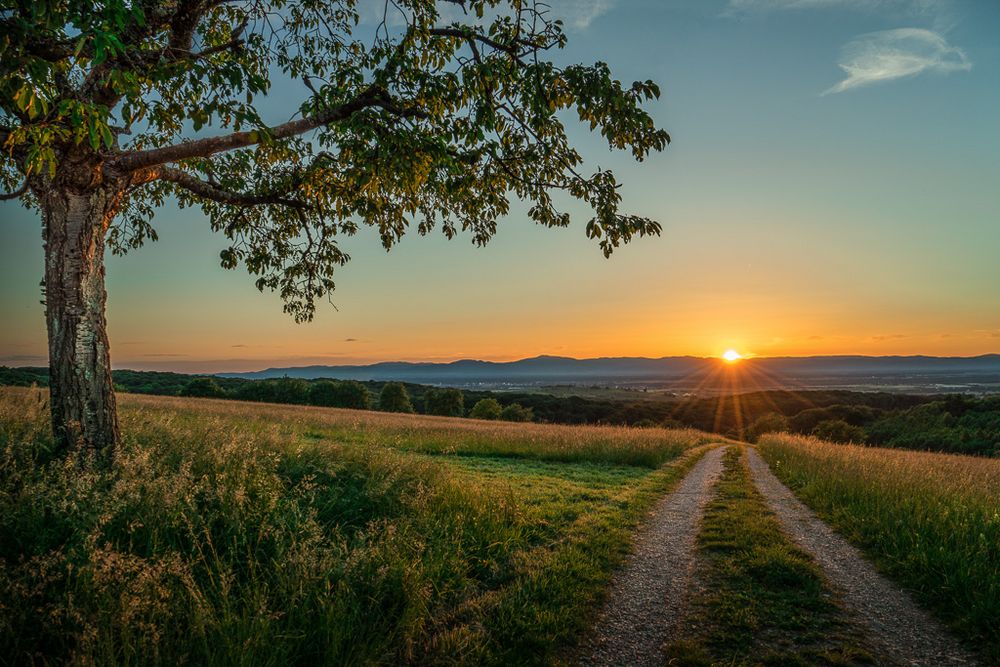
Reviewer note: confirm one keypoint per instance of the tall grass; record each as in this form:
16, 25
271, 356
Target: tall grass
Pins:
237, 534
931, 521
621, 445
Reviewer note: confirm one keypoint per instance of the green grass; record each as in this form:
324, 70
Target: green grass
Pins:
620, 445
250, 534
930, 521
762, 600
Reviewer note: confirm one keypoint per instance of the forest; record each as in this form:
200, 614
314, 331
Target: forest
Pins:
950, 423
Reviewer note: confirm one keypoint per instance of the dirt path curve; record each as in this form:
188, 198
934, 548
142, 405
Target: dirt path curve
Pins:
895, 625
647, 598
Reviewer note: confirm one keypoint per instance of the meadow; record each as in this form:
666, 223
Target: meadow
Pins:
228, 532
930, 521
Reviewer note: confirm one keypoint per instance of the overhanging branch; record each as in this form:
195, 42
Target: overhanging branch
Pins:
371, 97
7, 196
215, 193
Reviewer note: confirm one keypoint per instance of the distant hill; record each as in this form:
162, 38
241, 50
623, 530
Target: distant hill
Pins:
680, 373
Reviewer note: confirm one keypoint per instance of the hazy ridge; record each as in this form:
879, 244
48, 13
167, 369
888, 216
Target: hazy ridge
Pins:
680, 373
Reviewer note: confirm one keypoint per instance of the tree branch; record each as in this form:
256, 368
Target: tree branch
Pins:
371, 97
7, 196
215, 193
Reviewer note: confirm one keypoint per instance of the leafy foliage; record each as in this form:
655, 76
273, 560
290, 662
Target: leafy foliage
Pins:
444, 402
837, 430
394, 398
203, 388
486, 408
349, 394
434, 118
515, 412
772, 422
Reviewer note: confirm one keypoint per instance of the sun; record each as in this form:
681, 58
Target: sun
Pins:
731, 356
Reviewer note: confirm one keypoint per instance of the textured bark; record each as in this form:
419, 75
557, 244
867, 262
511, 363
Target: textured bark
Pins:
82, 393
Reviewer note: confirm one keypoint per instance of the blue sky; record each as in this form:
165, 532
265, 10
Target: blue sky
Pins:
831, 188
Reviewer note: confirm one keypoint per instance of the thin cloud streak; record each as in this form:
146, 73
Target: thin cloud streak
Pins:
581, 13
895, 54
575, 14
909, 6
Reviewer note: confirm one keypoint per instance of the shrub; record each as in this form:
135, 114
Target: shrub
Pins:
444, 402
515, 412
837, 430
202, 388
486, 408
394, 398
772, 422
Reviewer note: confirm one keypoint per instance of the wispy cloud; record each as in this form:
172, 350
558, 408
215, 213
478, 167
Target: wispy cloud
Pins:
575, 14
894, 54
908, 6
580, 14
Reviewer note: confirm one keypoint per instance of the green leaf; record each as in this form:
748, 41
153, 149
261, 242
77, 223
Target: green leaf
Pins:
109, 139
95, 140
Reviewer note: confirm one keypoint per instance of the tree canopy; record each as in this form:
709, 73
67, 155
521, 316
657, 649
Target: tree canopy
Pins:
486, 408
394, 398
431, 118
446, 402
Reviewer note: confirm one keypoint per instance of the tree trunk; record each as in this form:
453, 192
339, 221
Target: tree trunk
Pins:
81, 391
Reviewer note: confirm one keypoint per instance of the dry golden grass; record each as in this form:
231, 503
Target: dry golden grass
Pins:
932, 521
649, 447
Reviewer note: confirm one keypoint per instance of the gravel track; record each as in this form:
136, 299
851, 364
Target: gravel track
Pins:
903, 632
647, 598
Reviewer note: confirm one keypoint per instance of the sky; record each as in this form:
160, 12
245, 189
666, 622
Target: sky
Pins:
831, 188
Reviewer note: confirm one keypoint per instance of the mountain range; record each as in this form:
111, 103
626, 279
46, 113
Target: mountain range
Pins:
680, 373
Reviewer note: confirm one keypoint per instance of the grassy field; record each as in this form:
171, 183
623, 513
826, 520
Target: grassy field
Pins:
230, 533
761, 600
930, 521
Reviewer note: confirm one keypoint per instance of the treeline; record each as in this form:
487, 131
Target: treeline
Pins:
958, 424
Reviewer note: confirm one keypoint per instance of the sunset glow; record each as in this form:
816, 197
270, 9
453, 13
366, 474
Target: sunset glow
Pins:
731, 356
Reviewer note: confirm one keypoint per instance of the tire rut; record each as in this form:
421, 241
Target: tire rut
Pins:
895, 625
647, 598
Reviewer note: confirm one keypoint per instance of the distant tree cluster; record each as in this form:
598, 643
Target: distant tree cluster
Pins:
203, 388
960, 424
325, 393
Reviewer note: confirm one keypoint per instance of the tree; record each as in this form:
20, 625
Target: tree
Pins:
486, 408
444, 402
347, 394
394, 398
433, 118
837, 430
203, 388
515, 412
288, 390
772, 422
